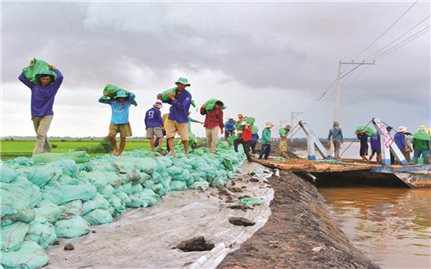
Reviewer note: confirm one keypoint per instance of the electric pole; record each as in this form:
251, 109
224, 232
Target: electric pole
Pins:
340, 76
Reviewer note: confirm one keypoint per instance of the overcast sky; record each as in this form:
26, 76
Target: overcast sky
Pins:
262, 59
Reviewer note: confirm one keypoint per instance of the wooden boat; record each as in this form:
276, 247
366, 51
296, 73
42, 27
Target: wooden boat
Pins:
354, 172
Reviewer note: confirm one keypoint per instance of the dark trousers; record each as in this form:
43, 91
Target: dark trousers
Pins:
264, 152
156, 142
246, 146
253, 147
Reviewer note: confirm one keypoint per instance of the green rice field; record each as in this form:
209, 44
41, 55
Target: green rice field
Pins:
17, 148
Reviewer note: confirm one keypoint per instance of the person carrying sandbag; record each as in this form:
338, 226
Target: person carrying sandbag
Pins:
154, 124
44, 80
178, 118
213, 122
282, 145
120, 105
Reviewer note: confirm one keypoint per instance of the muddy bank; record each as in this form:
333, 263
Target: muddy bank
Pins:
300, 233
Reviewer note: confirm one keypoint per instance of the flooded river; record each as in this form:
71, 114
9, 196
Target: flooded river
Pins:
392, 226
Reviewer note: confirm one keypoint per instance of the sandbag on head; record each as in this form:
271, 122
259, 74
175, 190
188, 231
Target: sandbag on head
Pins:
36, 69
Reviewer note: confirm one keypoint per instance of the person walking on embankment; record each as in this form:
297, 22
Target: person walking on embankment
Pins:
421, 145
336, 134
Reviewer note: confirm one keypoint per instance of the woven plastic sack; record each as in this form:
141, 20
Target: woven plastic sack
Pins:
209, 105
7, 174
421, 135
136, 200
159, 189
200, 185
29, 256
71, 209
176, 185
96, 178
61, 194
71, 228
47, 211
149, 197
37, 67
368, 130
98, 202
19, 194
12, 236
147, 164
24, 215
77, 156
250, 201
42, 233
165, 95
42, 175
98, 216
112, 90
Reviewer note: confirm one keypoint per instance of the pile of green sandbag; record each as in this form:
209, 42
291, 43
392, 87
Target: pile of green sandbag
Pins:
62, 199
38, 67
112, 91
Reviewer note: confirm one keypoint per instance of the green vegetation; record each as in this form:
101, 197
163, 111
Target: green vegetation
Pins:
11, 148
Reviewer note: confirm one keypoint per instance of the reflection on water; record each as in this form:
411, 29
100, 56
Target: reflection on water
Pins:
391, 226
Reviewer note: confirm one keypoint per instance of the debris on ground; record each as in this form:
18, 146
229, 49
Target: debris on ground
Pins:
195, 244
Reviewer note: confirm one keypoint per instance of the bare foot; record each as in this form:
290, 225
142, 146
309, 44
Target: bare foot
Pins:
115, 152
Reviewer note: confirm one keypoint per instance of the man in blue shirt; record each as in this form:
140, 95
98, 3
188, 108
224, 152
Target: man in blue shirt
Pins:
154, 124
337, 139
178, 115
119, 118
229, 127
42, 102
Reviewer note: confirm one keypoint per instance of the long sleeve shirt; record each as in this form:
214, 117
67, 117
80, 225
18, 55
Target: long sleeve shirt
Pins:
179, 110
229, 126
246, 134
400, 140
153, 118
120, 112
266, 136
42, 98
213, 118
336, 134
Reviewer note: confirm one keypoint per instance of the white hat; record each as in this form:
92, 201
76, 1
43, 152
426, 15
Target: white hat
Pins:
230, 118
402, 129
422, 127
243, 122
269, 125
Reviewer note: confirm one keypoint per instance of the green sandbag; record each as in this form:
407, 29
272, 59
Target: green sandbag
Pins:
98, 216
218, 182
71, 228
77, 156
368, 130
61, 194
96, 178
250, 201
421, 135
7, 174
159, 189
118, 205
254, 129
227, 164
47, 211
29, 256
98, 202
147, 164
24, 215
231, 139
200, 185
42, 233
43, 174
210, 104
149, 197
37, 67
71, 209
112, 90
165, 95
19, 194
12, 236
176, 185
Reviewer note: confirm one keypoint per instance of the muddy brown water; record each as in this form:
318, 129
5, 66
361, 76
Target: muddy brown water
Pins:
392, 226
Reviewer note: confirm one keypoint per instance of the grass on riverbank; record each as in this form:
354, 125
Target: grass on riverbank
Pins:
24, 148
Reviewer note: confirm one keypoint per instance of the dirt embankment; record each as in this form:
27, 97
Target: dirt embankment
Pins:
300, 233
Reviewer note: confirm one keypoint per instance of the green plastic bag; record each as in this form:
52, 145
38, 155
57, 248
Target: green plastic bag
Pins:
7, 174
47, 211
29, 256
98, 202
254, 129
42, 233
178, 185
77, 156
61, 194
149, 197
250, 201
209, 105
37, 67
200, 185
421, 135
71, 209
42, 174
71, 228
98, 216
112, 90
12, 236
165, 95
24, 215
227, 164
368, 130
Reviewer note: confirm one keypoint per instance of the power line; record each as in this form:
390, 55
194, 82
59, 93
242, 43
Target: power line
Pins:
399, 18
403, 43
377, 52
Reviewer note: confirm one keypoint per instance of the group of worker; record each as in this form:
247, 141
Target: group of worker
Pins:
418, 143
